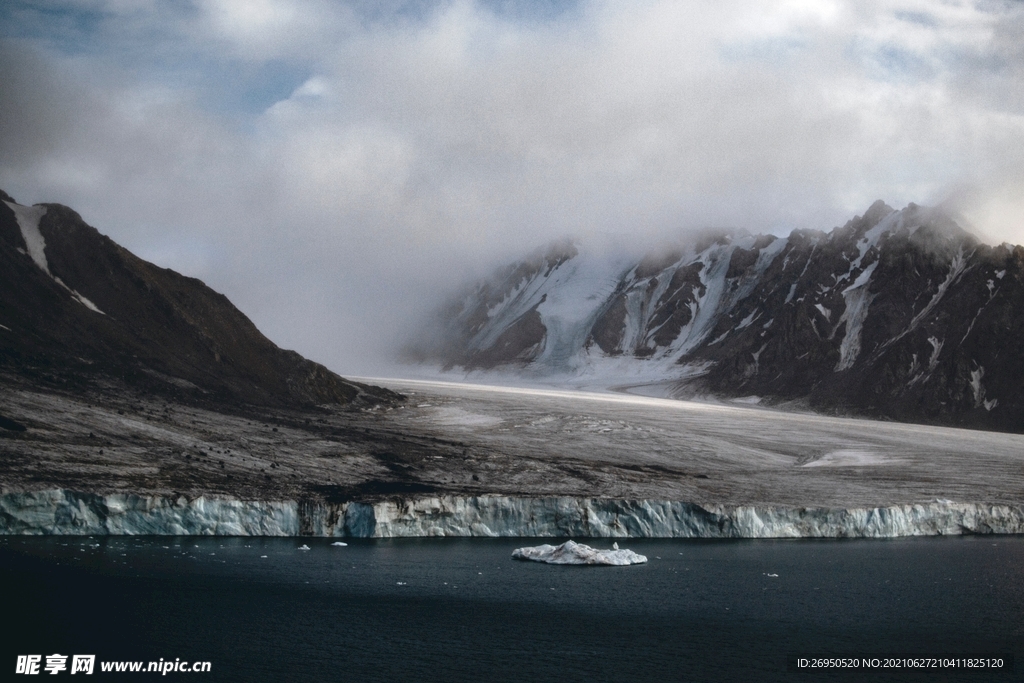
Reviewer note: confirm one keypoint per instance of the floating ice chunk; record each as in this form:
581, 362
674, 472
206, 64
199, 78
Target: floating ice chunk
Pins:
571, 552
340, 544
303, 547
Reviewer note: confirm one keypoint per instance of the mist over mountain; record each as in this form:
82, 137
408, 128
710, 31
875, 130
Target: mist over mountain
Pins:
78, 309
896, 314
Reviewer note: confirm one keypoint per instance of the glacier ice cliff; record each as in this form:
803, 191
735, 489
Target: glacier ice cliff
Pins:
571, 552
62, 511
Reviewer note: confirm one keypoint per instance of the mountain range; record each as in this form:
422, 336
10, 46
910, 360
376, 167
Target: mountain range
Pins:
77, 309
136, 400
899, 314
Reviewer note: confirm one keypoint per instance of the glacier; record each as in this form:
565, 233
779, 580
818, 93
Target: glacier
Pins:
67, 512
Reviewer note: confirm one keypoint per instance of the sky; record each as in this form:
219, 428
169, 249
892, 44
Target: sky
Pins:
337, 168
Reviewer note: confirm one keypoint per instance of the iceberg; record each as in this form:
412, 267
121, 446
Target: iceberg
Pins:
571, 552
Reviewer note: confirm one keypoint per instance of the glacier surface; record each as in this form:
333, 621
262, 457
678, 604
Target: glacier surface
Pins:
61, 511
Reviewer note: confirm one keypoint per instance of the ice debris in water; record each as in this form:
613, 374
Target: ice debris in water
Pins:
303, 547
571, 552
339, 543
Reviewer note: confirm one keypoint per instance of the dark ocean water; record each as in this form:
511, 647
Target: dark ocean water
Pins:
462, 610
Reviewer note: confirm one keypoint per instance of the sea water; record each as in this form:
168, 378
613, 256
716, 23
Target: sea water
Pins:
462, 610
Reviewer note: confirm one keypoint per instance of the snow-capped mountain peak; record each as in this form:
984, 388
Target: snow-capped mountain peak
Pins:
843, 318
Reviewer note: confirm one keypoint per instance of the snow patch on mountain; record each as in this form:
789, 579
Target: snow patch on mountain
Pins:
956, 268
28, 218
858, 299
574, 294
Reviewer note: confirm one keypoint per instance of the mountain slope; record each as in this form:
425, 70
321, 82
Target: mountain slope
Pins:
899, 314
75, 305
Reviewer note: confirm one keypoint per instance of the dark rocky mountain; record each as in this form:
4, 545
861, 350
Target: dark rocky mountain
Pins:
75, 307
897, 314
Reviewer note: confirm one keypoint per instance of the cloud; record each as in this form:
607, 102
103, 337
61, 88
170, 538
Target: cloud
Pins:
333, 167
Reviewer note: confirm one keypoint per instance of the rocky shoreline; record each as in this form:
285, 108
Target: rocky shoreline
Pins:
67, 512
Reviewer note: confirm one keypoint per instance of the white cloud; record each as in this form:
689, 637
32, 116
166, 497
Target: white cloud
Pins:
414, 144
266, 29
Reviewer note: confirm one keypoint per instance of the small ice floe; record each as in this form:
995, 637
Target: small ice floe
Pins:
339, 544
303, 547
571, 552
773, 576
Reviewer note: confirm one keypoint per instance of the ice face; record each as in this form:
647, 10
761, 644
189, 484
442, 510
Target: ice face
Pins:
70, 513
